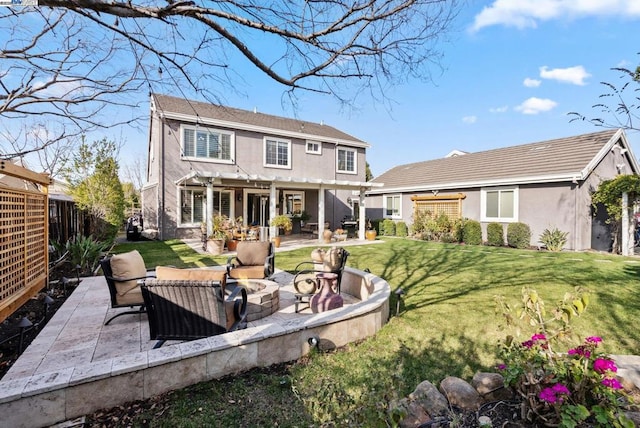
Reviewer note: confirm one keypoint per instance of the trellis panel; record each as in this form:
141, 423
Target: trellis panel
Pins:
23, 241
451, 205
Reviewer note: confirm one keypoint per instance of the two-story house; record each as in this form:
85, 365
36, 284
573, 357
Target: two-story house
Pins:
206, 159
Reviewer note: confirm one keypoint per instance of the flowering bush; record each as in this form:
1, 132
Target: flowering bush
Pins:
567, 389
564, 389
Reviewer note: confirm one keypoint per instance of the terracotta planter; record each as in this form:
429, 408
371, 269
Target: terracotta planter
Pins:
370, 235
326, 236
276, 241
232, 245
215, 246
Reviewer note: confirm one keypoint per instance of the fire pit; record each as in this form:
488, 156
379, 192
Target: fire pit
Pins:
263, 297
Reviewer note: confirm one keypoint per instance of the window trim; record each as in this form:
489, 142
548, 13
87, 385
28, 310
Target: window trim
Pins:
384, 206
355, 160
196, 128
313, 152
499, 219
264, 152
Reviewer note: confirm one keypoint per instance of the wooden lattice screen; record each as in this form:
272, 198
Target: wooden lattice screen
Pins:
451, 205
23, 239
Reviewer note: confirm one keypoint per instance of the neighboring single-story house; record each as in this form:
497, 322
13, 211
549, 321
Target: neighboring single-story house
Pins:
206, 159
545, 185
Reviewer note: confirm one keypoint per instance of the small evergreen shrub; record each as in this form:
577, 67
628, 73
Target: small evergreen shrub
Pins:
472, 232
458, 227
518, 235
388, 227
554, 239
401, 229
495, 234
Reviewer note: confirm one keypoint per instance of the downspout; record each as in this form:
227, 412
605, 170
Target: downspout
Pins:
575, 215
162, 184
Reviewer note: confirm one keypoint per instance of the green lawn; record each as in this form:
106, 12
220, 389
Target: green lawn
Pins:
448, 325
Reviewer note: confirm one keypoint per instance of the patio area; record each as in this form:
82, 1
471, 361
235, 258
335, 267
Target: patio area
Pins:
77, 365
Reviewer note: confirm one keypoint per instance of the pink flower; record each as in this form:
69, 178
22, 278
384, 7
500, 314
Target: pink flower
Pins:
611, 383
554, 394
527, 344
602, 365
593, 340
538, 336
579, 351
501, 367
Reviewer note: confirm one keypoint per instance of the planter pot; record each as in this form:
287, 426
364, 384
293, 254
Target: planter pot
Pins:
215, 246
326, 236
276, 241
370, 235
232, 245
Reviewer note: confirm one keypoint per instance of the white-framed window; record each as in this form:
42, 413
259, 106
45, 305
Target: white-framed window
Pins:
200, 143
293, 202
393, 206
347, 160
313, 147
499, 204
277, 153
193, 205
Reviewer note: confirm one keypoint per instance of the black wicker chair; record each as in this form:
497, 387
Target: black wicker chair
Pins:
125, 291
188, 310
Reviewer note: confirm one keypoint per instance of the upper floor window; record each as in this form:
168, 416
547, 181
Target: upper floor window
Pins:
277, 153
499, 204
392, 206
314, 147
207, 143
347, 160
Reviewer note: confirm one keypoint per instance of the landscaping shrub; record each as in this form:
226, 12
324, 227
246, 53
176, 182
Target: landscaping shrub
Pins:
472, 232
554, 239
376, 225
401, 229
388, 227
495, 234
518, 235
458, 227
85, 252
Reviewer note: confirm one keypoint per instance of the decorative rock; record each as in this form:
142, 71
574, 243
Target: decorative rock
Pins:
491, 386
484, 422
412, 414
460, 393
430, 399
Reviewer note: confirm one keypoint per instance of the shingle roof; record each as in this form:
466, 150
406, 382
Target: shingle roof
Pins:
552, 160
196, 109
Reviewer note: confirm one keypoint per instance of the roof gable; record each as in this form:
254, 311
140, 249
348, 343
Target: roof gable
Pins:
562, 159
205, 113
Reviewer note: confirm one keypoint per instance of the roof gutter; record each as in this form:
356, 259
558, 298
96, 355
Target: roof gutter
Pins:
262, 129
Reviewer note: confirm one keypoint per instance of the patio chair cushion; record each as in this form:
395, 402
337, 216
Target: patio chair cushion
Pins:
127, 265
247, 272
132, 297
166, 272
253, 254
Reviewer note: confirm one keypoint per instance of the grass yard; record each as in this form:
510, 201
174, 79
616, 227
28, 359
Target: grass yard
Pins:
448, 325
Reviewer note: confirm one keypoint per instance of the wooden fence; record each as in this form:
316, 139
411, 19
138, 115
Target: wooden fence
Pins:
23, 238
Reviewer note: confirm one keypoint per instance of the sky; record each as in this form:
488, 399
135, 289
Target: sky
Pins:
511, 71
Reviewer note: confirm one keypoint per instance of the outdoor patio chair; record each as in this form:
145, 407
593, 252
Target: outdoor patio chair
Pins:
188, 310
124, 274
253, 260
305, 281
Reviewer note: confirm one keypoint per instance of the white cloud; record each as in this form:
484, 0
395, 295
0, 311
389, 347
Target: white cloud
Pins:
535, 105
531, 83
528, 13
470, 119
499, 109
575, 75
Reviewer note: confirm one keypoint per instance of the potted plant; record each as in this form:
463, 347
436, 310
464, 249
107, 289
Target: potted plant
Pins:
234, 230
281, 222
298, 219
370, 234
218, 235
